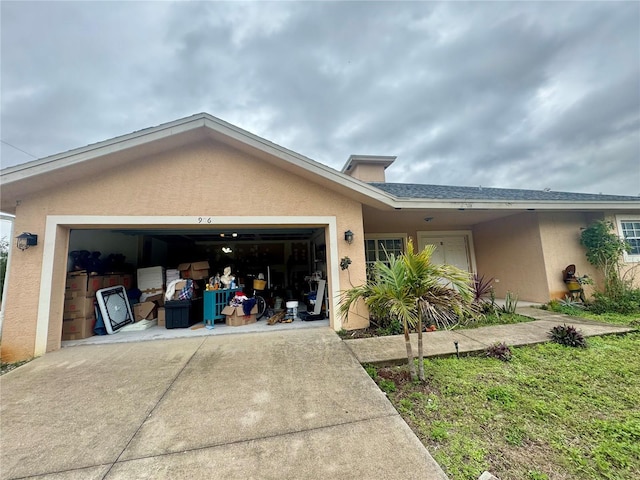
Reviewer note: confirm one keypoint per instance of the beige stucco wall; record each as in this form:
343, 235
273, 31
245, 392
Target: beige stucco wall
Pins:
368, 173
509, 250
560, 236
206, 179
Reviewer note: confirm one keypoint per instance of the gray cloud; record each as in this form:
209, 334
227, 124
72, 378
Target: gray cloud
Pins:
519, 95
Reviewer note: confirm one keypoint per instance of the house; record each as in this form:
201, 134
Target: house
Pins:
179, 191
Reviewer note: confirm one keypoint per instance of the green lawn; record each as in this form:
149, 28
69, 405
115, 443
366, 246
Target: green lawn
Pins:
632, 319
552, 412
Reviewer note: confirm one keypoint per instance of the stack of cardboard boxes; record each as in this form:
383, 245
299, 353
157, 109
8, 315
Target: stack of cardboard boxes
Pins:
151, 282
79, 315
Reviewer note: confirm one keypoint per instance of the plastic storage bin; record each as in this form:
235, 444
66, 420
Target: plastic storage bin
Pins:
177, 313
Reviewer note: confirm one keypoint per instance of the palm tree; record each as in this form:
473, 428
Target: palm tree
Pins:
411, 288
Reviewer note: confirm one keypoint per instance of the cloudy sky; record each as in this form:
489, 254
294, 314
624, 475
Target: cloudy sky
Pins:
503, 94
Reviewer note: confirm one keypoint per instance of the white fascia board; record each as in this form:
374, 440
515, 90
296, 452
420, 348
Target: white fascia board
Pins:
514, 205
79, 155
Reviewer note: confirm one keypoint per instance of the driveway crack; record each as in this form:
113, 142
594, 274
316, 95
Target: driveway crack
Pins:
164, 394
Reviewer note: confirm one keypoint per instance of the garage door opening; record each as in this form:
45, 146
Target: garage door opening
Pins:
292, 260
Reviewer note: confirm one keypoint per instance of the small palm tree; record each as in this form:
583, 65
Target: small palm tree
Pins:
410, 288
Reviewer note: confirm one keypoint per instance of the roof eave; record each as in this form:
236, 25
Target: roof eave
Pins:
512, 205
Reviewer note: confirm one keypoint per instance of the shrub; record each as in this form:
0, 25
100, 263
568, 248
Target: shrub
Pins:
567, 335
605, 250
627, 301
499, 351
394, 327
481, 287
569, 302
510, 303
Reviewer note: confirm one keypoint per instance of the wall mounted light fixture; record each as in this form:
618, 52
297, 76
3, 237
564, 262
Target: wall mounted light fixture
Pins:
348, 237
26, 240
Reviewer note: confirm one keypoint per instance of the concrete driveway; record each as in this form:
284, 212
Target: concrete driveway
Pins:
291, 404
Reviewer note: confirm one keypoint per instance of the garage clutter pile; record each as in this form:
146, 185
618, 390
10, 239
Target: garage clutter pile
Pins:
153, 296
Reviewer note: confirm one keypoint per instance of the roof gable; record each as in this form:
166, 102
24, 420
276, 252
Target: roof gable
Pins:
57, 170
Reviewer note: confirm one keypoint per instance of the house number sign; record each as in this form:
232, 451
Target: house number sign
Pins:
203, 220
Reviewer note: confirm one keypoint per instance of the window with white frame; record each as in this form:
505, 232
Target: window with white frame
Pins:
629, 228
380, 247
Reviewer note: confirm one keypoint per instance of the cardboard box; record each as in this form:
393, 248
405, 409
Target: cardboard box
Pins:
161, 317
151, 278
144, 311
127, 281
83, 284
158, 299
194, 270
179, 286
70, 294
111, 280
77, 328
236, 317
79, 307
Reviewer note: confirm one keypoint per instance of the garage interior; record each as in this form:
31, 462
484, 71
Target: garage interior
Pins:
290, 259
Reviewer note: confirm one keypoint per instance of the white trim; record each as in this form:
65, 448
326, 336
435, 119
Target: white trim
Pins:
627, 257
385, 236
453, 233
79, 221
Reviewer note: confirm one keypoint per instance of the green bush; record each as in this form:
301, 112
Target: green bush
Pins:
393, 327
567, 335
499, 351
627, 301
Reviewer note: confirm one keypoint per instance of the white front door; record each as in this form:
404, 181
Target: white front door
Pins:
450, 249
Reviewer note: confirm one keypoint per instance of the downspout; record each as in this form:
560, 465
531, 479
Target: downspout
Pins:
10, 219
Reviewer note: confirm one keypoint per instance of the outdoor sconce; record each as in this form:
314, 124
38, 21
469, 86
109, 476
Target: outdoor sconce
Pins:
26, 240
348, 237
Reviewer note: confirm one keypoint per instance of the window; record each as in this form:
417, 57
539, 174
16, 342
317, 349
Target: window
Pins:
379, 247
629, 228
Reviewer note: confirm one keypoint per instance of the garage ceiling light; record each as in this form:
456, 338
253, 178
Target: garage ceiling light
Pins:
226, 250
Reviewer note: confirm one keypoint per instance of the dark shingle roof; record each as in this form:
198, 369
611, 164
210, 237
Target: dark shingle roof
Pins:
443, 192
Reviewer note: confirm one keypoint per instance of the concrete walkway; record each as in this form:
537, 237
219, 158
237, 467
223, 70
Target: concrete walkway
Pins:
275, 405
392, 350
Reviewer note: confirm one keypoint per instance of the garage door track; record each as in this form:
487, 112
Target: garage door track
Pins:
290, 404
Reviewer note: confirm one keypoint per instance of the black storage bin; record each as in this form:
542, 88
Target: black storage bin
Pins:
177, 313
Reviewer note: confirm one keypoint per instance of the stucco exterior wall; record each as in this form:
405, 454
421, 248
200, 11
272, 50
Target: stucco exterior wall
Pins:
368, 173
206, 179
560, 236
509, 250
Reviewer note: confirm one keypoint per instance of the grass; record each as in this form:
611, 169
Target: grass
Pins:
632, 319
6, 367
552, 412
